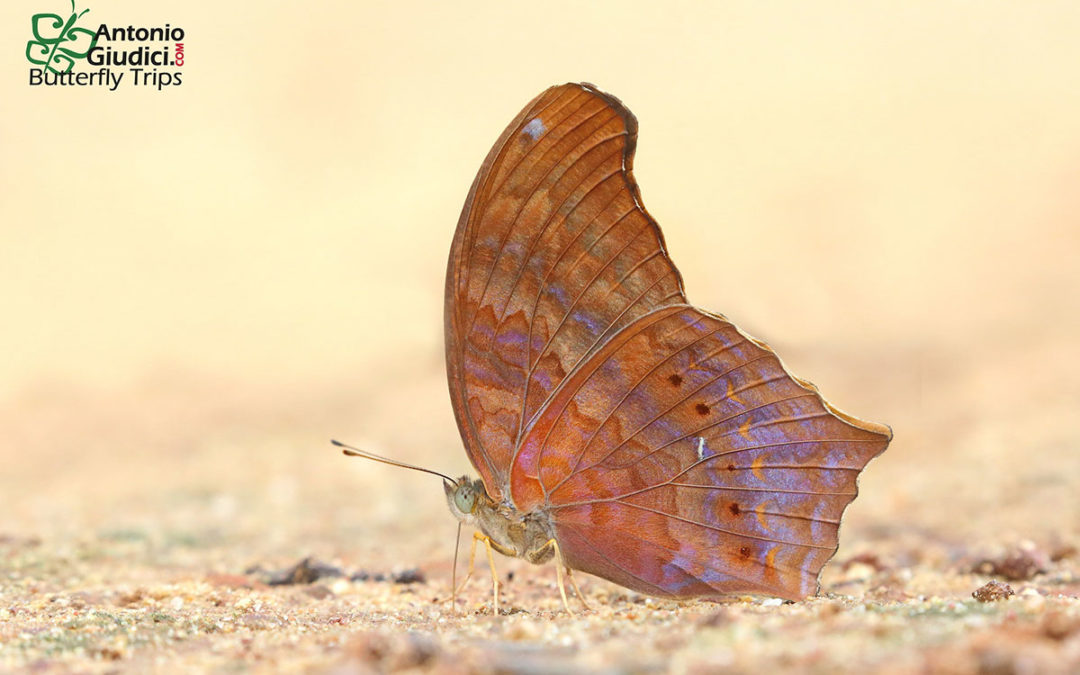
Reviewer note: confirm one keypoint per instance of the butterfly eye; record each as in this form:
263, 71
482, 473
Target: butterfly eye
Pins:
465, 500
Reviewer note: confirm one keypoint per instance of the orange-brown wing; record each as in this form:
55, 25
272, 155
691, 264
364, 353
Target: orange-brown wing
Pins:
553, 253
683, 460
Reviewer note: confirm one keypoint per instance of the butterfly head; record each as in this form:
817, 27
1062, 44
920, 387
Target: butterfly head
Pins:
463, 496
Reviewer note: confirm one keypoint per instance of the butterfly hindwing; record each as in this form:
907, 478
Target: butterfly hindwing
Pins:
553, 253
682, 459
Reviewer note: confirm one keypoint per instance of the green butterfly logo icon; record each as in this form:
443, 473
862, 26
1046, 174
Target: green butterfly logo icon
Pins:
59, 52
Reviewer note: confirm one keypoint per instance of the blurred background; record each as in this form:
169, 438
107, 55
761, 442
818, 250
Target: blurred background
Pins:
200, 286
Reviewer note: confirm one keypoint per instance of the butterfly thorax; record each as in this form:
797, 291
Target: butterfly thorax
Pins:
512, 533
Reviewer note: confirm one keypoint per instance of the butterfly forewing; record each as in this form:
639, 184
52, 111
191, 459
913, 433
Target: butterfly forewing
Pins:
683, 457
552, 255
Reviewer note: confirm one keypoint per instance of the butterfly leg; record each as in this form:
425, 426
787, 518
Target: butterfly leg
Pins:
494, 575
559, 574
472, 561
573, 582
477, 537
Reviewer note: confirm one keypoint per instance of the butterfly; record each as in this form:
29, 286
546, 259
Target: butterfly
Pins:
616, 428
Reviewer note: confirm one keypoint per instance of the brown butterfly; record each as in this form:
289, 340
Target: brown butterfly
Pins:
618, 429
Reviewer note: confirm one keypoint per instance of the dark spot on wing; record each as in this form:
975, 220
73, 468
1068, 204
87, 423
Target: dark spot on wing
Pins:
734, 508
745, 551
702, 409
730, 467
675, 379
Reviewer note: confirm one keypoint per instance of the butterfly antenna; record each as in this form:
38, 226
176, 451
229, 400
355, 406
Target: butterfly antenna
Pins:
356, 452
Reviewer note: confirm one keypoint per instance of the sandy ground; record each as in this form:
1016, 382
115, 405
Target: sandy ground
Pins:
200, 287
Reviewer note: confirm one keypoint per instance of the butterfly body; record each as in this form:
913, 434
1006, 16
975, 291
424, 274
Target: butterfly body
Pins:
613, 424
509, 531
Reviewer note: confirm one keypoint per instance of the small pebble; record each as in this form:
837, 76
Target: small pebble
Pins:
992, 592
340, 586
1020, 564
